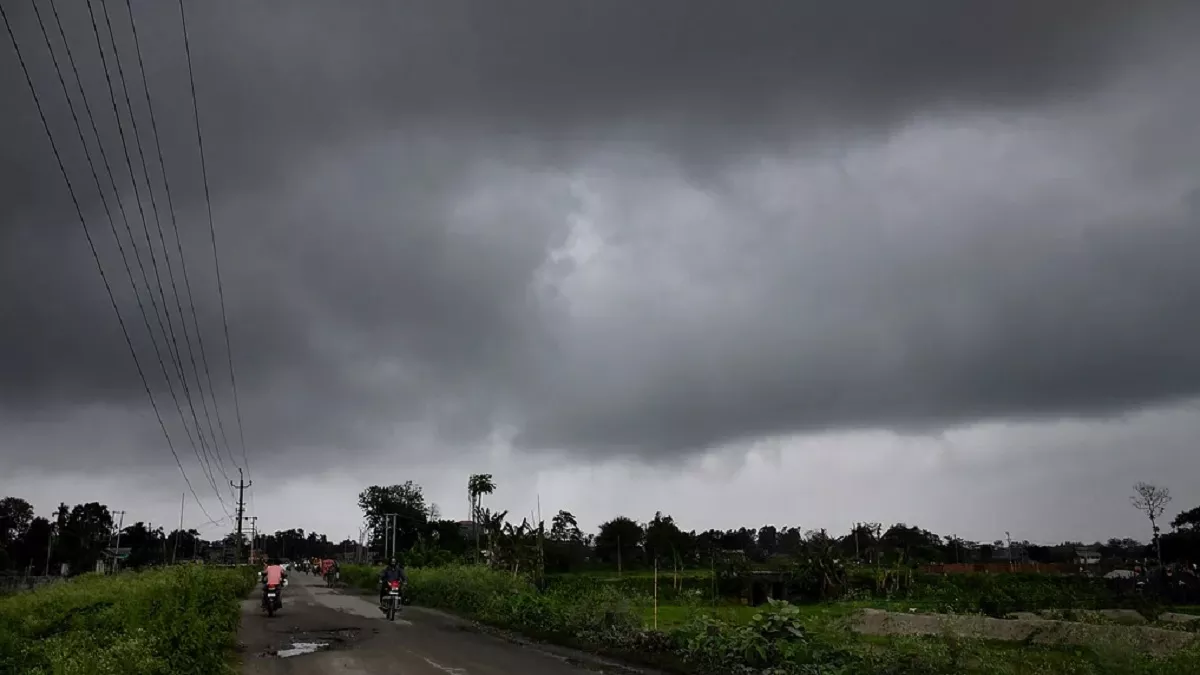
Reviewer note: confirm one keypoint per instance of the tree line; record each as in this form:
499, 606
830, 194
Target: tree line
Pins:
399, 518
74, 539
401, 514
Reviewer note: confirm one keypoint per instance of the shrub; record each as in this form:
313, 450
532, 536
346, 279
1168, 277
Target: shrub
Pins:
1000, 594
177, 620
365, 577
780, 639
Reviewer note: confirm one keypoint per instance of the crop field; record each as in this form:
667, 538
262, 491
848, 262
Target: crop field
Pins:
683, 626
174, 620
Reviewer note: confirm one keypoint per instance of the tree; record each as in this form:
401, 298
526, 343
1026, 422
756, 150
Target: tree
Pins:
1188, 520
619, 541
566, 546
478, 484
84, 534
183, 544
448, 534
665, 541
15, 516
768, 540
30, 550
741, 539
1152, 501
791, 540
406, 501
565, 528
911, 543
146, 545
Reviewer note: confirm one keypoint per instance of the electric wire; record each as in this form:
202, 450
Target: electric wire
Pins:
212, 234
178, 240
145, 227
205, 465
95, 254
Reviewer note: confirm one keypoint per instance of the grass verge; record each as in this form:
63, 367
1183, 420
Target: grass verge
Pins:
176, 620
732, 640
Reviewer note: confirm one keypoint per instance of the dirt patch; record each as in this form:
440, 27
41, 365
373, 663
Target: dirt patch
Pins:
1176, 617
1032, 631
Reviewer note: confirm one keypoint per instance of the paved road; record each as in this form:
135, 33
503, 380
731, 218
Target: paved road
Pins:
355, 638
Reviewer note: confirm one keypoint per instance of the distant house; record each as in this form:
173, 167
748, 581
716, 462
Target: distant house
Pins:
1087, 555
111, 557
468, 529
1012, 554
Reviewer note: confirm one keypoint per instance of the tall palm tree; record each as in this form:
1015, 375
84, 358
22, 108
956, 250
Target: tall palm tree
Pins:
478, 484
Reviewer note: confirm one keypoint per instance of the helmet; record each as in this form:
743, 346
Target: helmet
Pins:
392, 562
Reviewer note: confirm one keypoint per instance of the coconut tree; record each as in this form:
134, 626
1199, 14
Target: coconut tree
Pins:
478, 484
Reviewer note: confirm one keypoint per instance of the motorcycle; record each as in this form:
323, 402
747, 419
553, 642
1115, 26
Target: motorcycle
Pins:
271, 599
392, 600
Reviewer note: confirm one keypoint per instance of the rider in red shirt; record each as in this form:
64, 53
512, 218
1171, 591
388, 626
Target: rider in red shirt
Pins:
274, 573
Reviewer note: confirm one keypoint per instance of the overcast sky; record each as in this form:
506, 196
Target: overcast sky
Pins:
775, 262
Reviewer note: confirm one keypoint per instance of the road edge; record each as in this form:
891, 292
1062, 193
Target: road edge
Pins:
565, 653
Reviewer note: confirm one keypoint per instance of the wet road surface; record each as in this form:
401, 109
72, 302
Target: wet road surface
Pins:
322, 630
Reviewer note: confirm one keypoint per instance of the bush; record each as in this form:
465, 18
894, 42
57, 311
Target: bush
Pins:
780, 639
1000, 594
502, 599
176, 620
640, 584
365, 577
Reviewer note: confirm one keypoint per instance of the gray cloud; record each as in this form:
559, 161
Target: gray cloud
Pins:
881, 215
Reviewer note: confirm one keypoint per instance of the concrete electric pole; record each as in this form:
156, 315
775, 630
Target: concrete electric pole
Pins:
241, 485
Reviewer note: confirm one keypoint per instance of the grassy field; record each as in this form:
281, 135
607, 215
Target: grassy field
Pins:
695, 635
168, 621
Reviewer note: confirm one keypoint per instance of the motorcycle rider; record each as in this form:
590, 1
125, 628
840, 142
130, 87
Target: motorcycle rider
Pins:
393, 572
273, 574
330, 570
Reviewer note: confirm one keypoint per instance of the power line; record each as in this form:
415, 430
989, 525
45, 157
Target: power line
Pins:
175, 227
145, 227
132, 179
108, 213
212, 233
95, 255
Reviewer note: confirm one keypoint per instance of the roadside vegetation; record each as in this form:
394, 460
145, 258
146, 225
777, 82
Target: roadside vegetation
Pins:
700, 603
176, 620
615, 617
781, 601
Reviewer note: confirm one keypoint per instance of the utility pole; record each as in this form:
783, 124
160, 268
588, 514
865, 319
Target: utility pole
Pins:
241, 510
387, 521
117, 548
179, 532
362, 535
857, 555
253, 535
49, 545
390, 523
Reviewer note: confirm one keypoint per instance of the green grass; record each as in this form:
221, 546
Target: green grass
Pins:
169, 621
730, 639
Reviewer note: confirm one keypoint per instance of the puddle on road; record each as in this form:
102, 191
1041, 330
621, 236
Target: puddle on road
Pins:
301, 648
310, 642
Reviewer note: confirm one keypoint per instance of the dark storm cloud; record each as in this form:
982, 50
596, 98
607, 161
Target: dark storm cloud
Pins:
388, 179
